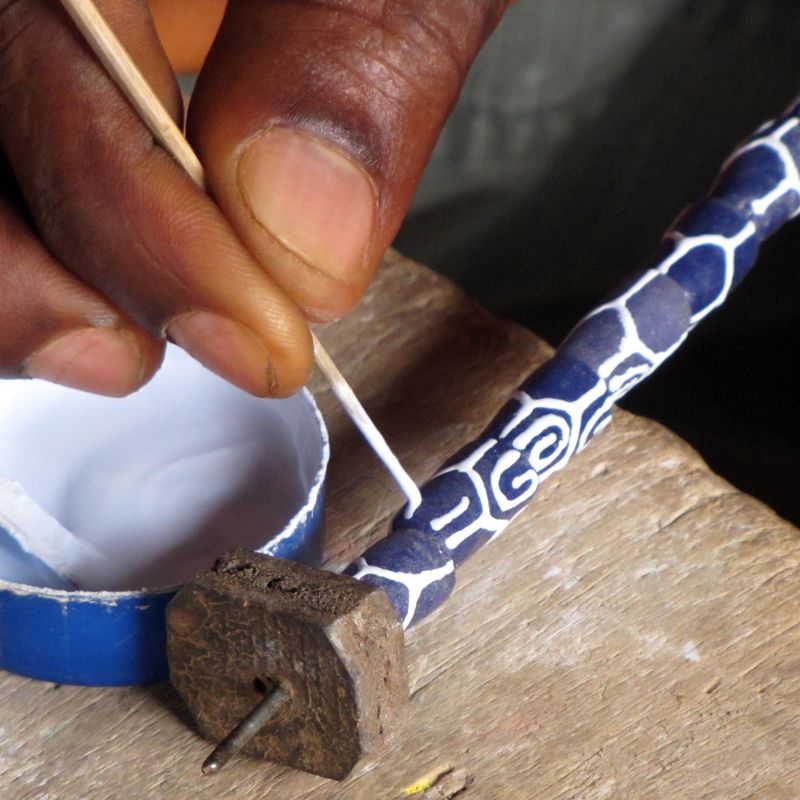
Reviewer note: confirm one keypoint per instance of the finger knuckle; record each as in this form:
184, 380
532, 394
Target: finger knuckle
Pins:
402, 52
417, 50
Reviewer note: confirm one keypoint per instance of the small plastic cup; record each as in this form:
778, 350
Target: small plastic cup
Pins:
142, 493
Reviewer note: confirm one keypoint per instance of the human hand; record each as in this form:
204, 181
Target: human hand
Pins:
314, 121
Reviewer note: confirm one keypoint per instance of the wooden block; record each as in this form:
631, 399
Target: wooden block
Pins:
334, 644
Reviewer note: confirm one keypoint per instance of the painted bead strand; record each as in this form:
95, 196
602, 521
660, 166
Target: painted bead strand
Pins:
558, 410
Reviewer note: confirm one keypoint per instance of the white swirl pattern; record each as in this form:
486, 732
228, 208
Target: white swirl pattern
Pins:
567, 401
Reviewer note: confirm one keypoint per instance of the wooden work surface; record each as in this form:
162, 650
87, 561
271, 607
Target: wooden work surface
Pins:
633, 634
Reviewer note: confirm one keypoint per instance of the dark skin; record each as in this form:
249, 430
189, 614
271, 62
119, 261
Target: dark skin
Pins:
314, 120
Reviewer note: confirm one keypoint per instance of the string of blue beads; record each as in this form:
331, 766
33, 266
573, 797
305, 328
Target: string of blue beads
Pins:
556, 412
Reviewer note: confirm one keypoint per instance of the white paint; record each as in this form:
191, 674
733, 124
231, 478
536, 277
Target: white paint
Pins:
635, 373
374, 438
526, 407
164, 481
553, 572
791, 180
443, 521
597, 422
597, 427
728, 245
43, 537
631, 343
506, 461
562, 415
485, 520
414, 582
540, 431
270, 548
690, 652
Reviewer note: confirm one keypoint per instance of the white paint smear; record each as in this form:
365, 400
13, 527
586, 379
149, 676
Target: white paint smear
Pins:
690, 652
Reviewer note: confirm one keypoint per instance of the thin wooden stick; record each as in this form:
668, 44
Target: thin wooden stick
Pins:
132, 83
115, 58
347, 397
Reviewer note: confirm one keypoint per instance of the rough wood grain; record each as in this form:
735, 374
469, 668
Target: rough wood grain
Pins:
633, 634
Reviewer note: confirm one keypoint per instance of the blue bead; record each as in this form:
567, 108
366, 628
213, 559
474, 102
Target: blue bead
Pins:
555, 396
661, 313
445, 492
712, 217
700, 272
412, 568
594, 339
754, 174
628, 373
570, 400
566, 376
486, 483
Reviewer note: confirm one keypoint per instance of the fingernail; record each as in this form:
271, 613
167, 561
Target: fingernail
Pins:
99, 360
226, 348
312, 198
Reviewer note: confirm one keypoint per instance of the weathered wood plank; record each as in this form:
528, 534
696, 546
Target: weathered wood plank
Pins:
633, 634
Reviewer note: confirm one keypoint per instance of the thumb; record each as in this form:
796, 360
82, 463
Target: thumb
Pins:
315, 121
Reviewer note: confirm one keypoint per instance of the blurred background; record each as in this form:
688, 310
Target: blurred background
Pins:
584, 128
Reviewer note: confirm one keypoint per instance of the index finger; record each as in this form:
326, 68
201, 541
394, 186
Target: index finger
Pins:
120, 214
